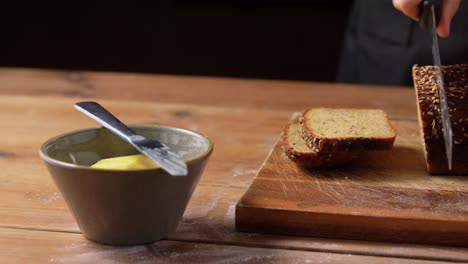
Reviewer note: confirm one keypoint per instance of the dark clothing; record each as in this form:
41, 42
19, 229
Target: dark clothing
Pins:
381, 44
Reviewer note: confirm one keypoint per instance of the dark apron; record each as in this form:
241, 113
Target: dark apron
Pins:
381, 44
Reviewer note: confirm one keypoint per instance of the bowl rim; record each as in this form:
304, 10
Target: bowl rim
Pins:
50, 160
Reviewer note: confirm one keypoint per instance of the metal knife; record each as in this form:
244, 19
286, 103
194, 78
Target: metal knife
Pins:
429, 19
153, 149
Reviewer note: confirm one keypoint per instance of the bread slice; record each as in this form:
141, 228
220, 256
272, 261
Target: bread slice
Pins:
428, 105
340, 129
297, 150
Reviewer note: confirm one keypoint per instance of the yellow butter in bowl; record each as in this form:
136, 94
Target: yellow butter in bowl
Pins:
133, 162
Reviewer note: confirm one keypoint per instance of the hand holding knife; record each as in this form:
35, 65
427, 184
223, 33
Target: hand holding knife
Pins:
425, 13
430, 11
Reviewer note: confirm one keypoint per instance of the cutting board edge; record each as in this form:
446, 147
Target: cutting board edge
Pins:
323, 226
439, 217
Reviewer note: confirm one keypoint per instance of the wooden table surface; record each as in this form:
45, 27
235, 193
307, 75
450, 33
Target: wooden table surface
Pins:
244, 119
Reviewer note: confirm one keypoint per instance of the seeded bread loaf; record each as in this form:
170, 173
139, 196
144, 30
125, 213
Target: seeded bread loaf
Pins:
456, 88
296, 149
338, 130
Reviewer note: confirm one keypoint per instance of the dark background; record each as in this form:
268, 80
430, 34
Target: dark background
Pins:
296, 40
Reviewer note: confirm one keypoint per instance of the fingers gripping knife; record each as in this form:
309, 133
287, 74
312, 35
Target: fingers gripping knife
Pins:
429, 19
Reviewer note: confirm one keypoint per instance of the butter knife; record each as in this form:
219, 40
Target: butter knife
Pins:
429, 19
153, 149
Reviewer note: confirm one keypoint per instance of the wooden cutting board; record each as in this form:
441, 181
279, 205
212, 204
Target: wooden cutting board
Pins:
386, 196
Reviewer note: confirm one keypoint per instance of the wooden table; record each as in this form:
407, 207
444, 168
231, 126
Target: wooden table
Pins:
244, 118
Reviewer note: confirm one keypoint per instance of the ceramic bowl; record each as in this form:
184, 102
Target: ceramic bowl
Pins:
124, 207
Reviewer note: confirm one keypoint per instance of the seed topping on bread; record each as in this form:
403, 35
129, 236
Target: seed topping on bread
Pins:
430, 121
456, 87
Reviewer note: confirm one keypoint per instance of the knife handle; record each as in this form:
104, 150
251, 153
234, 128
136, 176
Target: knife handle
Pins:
106, 119
425, 13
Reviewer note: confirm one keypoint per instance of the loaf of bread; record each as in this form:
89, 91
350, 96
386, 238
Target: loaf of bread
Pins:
297, 150
338, 130
428, 105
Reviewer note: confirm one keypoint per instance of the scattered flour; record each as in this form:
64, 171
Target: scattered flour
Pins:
115, 255
54, 197
238, 171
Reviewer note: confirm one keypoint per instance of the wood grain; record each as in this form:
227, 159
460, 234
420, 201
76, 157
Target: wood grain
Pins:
230, 165
53, 247
210, 218
37, 104
30, 200
399, 102
386, 196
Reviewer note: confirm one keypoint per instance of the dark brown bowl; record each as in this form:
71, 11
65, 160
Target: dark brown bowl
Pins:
124, 207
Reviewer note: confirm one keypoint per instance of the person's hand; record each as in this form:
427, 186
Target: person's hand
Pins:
449, 8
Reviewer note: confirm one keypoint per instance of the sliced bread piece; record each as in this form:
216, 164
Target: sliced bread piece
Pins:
428, 105
339, 129
297, 150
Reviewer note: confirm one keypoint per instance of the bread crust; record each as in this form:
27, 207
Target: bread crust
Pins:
429, 115
312, 159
